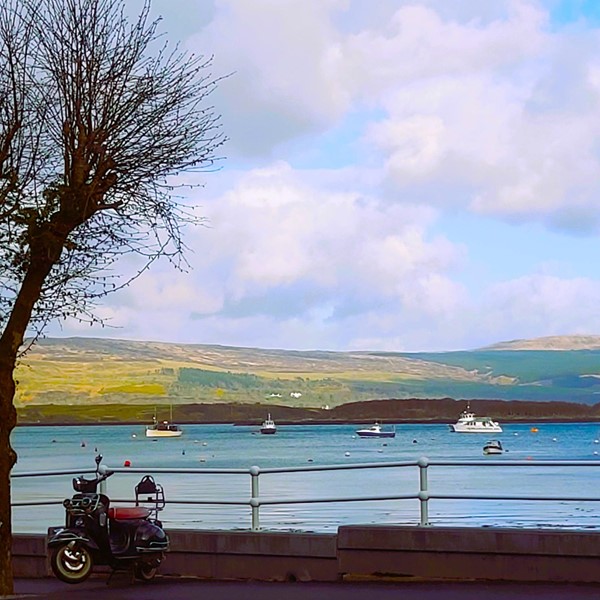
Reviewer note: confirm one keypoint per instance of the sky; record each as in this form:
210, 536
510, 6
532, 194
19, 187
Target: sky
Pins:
400, 175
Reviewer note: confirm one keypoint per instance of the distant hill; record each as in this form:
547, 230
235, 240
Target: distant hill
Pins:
91, 372
556, 342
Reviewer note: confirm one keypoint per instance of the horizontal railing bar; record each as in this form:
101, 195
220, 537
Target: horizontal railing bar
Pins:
51, 473
378, 465
413, 496
265, 502
201, 502
268, 470
37, 503
179, 471
438, 496
513, 463
176, 471
207, 501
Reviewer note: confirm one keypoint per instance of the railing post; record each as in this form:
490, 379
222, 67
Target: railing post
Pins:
423, 463
102, 469
255, 500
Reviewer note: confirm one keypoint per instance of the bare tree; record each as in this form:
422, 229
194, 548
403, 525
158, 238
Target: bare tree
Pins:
97, 115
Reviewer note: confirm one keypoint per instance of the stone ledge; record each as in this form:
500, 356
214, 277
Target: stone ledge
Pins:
469, 553
267, 556
29, 555
469, 540
257, 543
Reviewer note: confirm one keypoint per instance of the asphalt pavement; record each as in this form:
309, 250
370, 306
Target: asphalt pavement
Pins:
121, 588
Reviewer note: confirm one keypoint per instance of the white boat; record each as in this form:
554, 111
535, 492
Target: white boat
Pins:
268, 425
469, 423
376, 431
163, 428
493, 447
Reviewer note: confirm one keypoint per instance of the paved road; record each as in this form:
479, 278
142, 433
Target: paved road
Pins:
193, 589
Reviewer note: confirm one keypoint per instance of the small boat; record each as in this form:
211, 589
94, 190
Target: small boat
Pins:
493, 447
376, 431
268, 426
163, 428
469, 423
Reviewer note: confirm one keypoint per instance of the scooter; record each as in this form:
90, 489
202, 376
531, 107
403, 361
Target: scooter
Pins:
95, 533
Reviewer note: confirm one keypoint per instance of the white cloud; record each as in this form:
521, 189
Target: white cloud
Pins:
284, 58
418, 44
277, 228
481, 107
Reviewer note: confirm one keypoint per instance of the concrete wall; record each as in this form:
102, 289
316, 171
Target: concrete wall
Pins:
366, 551
469, 553
29, 555
252, 555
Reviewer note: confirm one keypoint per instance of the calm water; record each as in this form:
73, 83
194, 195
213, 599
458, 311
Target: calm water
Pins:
228, 446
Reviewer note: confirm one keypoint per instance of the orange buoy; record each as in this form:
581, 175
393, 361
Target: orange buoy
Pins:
127, 463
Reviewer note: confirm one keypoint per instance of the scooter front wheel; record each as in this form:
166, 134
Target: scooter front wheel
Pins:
71, 563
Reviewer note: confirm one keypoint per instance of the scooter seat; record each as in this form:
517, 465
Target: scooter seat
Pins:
122, 513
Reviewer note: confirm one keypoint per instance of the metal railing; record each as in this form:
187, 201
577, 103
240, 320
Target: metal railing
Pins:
423, 495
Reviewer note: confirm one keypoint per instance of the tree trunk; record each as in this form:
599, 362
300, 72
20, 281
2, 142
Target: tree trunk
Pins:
8, 457
10, 343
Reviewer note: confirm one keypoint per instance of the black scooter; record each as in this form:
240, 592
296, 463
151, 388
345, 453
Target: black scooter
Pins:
124, 538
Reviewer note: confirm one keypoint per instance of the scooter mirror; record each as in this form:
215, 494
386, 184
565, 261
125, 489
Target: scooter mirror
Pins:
98, 459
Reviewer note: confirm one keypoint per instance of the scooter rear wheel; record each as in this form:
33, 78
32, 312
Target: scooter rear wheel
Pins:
71, 563
145, 571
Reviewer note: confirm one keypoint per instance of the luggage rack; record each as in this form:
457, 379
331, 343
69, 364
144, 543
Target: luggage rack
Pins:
147, 491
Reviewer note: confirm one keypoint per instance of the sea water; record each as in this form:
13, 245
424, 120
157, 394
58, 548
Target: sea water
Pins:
226, 446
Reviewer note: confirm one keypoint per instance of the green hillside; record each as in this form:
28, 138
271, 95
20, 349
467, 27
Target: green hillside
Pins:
90, 371
572, 375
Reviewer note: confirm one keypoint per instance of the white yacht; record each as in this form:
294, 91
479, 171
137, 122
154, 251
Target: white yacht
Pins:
469, 423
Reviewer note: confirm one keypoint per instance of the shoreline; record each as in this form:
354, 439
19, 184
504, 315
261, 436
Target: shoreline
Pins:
255, 423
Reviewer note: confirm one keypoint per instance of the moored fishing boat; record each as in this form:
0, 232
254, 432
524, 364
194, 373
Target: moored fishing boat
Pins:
268, 426
163, 428
377, 431
493, 447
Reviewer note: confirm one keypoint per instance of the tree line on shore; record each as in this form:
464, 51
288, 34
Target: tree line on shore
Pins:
387, 410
